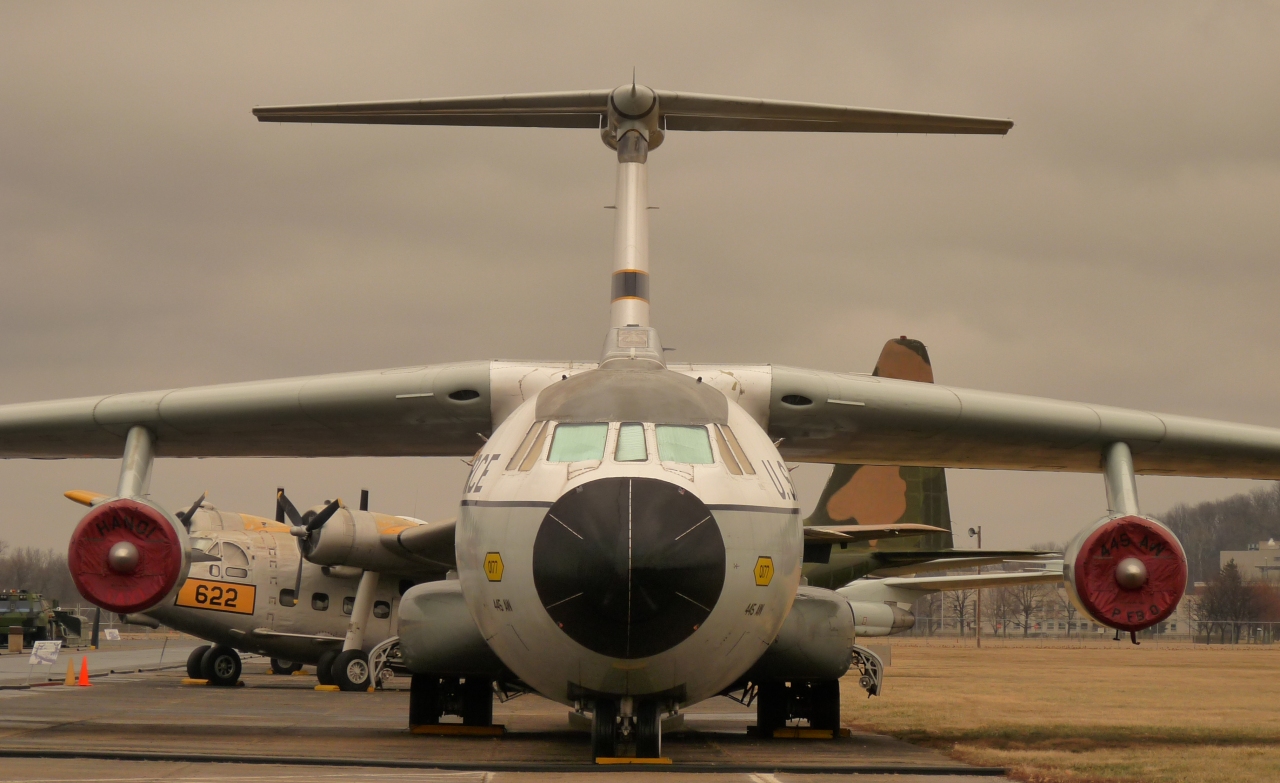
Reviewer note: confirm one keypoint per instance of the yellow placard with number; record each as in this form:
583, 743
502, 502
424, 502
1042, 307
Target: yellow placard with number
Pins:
216, 596
764, 571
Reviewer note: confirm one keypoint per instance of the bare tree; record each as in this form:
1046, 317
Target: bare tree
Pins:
995, 604
1066, 605
1026, 600
960, 601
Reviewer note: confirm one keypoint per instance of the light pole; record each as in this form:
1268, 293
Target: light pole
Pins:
977, 617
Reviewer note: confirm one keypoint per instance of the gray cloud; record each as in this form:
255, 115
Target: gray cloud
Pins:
1118, 246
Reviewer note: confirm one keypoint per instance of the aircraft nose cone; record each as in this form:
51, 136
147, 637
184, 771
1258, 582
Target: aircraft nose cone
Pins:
633, 101
629, 567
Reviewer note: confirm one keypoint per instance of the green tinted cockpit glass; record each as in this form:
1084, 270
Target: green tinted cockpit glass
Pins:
631, 446
578, 442
684, 444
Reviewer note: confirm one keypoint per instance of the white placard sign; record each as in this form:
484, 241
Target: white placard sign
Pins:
45, 653
111, 634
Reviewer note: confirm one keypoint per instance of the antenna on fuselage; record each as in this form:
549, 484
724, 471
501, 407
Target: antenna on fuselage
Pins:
633, 119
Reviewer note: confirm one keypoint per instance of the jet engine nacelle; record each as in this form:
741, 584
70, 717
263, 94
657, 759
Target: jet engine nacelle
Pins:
815, 641
1128, 572
883, 619
127, 555
439, 636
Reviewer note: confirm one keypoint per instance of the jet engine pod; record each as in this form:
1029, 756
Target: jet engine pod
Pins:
629, 567
127, 554
1127, 572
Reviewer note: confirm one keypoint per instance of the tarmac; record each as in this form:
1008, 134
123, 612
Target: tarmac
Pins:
148, 726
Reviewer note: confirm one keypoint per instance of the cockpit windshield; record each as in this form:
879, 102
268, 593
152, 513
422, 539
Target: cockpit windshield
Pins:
578, 442
679, 443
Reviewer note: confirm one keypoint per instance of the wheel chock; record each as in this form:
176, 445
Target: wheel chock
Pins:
328, 688
301, 673
459, 730
612, 760
189, 681
805, 733
270, 670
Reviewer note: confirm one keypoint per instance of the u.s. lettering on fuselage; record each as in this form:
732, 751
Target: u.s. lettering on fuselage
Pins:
781, 478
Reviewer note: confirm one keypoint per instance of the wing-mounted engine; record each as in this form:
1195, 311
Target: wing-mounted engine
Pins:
1126, 571
128, 554
334, 535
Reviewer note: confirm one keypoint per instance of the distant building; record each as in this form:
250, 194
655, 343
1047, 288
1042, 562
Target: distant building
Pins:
1259, 563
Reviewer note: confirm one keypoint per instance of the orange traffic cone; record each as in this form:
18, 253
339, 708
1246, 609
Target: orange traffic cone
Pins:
84, 673
71, 672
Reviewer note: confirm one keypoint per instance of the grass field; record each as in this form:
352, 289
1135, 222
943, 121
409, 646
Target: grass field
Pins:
1094, 712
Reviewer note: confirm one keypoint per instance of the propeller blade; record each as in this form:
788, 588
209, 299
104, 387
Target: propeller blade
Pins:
328, 511
283, 503
185, 517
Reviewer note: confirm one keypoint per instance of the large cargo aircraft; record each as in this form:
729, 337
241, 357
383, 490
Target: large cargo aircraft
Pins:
629, 540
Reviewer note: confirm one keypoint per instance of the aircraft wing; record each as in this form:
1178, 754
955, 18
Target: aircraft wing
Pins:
855, 533
438, 410
972, 581
862, 419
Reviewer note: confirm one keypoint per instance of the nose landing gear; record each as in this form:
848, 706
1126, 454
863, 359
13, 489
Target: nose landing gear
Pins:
610, 728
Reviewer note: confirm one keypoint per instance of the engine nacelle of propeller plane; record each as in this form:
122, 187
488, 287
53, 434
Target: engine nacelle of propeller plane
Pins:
128, 555
379, 542
1126, 571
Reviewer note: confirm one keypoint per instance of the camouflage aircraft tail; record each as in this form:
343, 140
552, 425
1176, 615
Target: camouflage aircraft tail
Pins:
888, 495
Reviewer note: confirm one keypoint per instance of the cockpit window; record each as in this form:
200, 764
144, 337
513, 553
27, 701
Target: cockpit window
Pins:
690, 445
736, 448
578, 442
726, 456
233, 555
529, 437
631, 447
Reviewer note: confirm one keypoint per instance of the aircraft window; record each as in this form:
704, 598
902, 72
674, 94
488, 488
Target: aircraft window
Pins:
216, 550
691, 445
524, 445
348, 604
381, 610
631, 446
320, 602
578, 442
240, 573
535, 450
201, 544
215, 570
730, 461
233, 555
288, 597
736, 447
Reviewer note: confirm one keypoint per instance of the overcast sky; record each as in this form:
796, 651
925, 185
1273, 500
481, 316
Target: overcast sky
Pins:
1118, 246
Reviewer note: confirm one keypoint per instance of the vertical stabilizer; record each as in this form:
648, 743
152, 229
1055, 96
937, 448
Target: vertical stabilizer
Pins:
885, 494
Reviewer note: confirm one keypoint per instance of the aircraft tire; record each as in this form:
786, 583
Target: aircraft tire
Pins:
351, 671
824, 705
604, 729
193, 662
648, 730
324, 669
771, 708
221, 666
424, 700
477, 702
279, 666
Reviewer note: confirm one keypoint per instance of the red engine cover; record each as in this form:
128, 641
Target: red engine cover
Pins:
1094, 573
160, 556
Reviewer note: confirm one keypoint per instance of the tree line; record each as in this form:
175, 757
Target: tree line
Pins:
42, 571
1233, 523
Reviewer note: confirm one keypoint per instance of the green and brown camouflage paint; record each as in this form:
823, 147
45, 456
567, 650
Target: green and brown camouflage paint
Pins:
882, 494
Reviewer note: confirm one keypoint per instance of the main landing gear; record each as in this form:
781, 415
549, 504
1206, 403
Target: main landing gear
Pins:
281, 666
815, 701
219, 664
615, 721
431, 697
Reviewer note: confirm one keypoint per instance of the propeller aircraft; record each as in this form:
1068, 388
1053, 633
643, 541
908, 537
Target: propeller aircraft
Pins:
629, 541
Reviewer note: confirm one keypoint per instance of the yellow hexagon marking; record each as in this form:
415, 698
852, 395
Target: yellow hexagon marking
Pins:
764, 571
493, 566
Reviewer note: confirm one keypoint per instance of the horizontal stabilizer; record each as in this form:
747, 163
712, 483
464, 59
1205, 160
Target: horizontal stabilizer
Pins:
852, 533
591, 109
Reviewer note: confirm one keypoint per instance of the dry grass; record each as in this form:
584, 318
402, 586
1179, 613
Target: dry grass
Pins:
1098, 712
